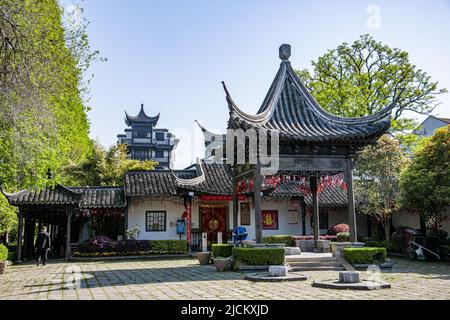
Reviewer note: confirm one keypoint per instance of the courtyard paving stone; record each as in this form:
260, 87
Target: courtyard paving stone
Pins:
186, 279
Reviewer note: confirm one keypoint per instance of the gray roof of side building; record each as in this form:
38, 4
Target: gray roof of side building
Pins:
83, 197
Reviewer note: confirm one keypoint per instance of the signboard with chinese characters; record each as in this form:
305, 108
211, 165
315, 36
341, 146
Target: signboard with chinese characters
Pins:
312, 163
269, 219
245, 213
293, 217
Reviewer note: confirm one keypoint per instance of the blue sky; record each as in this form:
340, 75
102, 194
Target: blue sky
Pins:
172, 55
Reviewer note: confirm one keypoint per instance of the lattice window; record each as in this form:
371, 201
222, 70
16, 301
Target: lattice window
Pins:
323, 219
155, 221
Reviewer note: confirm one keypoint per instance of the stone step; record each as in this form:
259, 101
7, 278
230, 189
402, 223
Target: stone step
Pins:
315, 264
290, 259
317, 268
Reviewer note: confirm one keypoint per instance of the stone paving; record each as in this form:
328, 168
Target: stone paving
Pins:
186, 279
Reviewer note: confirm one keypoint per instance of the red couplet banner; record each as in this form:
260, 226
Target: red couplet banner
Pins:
221, 198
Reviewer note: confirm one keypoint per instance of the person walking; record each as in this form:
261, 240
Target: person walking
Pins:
42, 246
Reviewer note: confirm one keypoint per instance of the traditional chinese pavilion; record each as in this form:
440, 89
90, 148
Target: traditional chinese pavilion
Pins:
316, 148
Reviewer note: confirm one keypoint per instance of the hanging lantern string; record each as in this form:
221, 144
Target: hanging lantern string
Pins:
301, 182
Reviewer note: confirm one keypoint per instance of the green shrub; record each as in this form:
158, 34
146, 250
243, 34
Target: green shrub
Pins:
259, 256
343, 237
178, 245
286, 239
12, 256
390, 246
222, 250
365, 255
168, 245
3, 253
377, 244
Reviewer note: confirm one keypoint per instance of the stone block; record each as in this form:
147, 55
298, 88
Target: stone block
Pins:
278, 271
290, 251
323, 246
305, 245
349, 277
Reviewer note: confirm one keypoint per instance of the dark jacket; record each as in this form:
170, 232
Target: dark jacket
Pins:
43, 241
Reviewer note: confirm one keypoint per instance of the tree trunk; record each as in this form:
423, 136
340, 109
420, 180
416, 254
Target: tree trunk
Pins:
387, 228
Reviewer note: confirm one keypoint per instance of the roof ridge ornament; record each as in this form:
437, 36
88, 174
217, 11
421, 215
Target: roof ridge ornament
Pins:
285, 52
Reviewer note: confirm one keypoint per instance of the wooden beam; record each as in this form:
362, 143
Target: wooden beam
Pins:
257, 199
303, 210
68, 226
235, 203
351, 201
19, 236
315, 203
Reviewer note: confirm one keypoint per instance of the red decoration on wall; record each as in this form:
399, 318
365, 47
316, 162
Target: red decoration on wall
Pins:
221, 198
269, 219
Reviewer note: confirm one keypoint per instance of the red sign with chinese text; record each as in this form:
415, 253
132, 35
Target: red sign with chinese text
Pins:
269, 219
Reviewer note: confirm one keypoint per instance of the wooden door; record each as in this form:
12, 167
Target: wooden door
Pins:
214, 221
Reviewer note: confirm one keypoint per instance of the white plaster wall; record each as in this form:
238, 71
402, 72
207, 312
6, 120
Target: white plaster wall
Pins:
283, 217
137, 209
136, 217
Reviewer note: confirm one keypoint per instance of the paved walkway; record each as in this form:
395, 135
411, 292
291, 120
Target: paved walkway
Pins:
186, 279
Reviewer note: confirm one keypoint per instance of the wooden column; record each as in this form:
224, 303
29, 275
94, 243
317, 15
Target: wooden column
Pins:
190, 198
68, 226
30, 245
26, 236
125, 223
303, 210
257, 197
351, 200
315, 206
19, 236
235, 203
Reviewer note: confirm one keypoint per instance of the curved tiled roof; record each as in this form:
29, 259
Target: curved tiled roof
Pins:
216, 179
328, 197
101, 197
141, 117
291, 110
57, 195
82, 197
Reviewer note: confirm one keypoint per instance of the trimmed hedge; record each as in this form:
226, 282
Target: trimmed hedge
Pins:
168, 245
259, 256
3, 253
325, 237
365, 255
286, 239
126, 247
222, 250
125, 254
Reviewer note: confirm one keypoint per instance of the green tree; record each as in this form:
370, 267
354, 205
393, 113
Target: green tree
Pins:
43, 121
377, 184
425, 182
105, 167
360, 79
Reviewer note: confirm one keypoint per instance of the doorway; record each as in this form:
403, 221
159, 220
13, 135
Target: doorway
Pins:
213, 221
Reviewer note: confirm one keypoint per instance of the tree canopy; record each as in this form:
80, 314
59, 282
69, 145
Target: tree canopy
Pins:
377, 184
361, 78
425, 182
43, 120
105, 167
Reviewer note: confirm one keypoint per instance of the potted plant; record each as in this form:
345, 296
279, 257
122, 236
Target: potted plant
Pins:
204, 257
3, 257
222, 263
